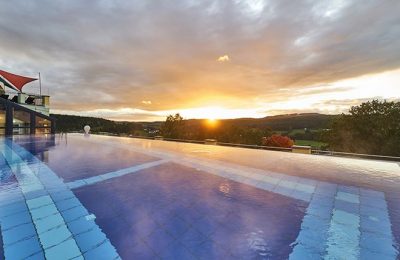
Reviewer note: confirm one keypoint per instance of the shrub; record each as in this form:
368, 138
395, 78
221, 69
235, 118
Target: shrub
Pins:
278, 141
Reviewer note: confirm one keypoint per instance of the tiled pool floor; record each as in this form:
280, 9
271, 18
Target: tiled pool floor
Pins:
90, 159
176, 212
111, 198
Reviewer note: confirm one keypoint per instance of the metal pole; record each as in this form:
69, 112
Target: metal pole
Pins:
40, 85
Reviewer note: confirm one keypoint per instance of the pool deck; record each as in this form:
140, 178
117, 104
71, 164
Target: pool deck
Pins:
348, 214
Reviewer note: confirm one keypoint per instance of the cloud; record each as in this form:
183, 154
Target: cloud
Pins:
146, 102
115, 54
223, 58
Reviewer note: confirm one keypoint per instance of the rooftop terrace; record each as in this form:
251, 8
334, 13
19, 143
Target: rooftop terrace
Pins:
92, 196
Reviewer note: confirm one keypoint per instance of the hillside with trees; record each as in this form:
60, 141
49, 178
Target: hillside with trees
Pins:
69, 123
370, 128
283, 123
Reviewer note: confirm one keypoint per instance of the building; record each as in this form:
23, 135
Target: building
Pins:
23, 113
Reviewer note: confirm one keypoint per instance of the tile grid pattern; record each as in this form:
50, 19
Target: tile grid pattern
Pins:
44, 216
368, 233
366, 209
186, 240
354, 222
188, 215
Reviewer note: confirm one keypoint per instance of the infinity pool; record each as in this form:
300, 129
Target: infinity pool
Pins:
98, 197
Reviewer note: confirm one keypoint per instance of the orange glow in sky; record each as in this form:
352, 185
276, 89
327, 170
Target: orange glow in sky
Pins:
142, 61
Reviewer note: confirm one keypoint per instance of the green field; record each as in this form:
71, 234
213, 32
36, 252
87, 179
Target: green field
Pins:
313, 144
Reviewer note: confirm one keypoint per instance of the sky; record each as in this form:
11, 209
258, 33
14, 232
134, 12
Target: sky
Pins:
142, 60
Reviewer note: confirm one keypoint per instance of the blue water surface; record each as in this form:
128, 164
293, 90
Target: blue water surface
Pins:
108, 198
177, 212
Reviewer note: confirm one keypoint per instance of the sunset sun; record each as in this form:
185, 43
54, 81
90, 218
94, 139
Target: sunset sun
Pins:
216, 129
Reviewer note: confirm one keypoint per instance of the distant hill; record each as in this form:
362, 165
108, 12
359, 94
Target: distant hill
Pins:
68, 123
287, 122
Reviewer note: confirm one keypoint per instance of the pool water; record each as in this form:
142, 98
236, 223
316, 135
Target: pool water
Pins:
97, 197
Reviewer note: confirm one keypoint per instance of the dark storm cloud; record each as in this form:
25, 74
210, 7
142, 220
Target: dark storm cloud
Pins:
115, 54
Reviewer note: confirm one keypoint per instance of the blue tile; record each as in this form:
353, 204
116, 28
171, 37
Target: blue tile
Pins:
343, 241
23, 249
322, 200
76, 184
162, 216
193, 239
372, 194
373, 212
74, 213
378, 243
316, 223
265, 185
93, 179
36, 194
249, 181
54, 236
176, 227
138, 251
10, 198
37, 256
44, 211
159, 240
90, 239
104, 251
349, 189
48, 223
349, 197
61, 195
301, 195
67, 204
375, 225
39, 202
177, 251
368, 255
283, 190
13, 208
15, 220
67, 249
374, 202
144, 227
178, 210
322, 211
189, 216
49, 179
343, 217
206, 226
80, 225
309, 182
210, 250
301, 252
326, 189
312, 239
18, 233
348, 207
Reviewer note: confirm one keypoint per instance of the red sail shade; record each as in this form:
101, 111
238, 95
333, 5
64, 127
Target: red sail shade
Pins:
14, 81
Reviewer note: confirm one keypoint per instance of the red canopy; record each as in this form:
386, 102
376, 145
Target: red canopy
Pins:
14, 81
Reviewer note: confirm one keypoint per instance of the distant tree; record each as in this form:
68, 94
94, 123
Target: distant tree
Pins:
173, 127
372, 128
68, 123
242, 135
278, 141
